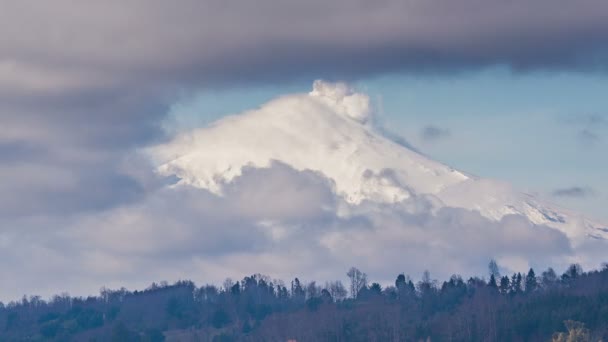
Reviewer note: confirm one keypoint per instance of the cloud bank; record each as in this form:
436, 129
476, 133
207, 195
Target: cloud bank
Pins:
274, 220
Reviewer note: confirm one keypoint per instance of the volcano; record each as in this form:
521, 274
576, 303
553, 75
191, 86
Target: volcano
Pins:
331, 131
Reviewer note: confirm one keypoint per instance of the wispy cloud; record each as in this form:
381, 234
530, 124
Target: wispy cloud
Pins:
434, 133
588, 136
594, 120
589, 127
575, 191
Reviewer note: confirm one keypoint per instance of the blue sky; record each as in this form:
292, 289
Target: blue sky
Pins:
541, 131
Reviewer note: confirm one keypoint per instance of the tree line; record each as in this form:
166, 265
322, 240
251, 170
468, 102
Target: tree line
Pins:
572, 306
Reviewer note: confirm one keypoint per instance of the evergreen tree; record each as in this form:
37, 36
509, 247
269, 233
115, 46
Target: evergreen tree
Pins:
492, 283
376, 289
573, 272
516, 283
505, 285
531, 282
236, 289
405, 287
400, 281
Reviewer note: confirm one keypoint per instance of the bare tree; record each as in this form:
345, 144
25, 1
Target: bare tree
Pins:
312, 290
358, 280
493, 269
337, 291
576, 333
228, 284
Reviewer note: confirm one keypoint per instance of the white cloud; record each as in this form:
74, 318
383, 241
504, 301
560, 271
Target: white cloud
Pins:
277, 221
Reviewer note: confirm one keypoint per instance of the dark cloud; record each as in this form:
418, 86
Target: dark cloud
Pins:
46, 187
434, 133
141, 44
575, 191
67, 154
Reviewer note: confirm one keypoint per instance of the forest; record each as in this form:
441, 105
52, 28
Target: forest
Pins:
544, 306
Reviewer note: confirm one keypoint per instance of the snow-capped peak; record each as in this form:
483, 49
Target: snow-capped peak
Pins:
326, 131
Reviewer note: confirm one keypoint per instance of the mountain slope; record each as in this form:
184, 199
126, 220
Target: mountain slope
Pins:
329, 131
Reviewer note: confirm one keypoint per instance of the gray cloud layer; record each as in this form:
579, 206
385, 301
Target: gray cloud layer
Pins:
67, 46
84, 84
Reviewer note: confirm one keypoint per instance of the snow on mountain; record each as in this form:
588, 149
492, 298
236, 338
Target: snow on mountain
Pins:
330, 131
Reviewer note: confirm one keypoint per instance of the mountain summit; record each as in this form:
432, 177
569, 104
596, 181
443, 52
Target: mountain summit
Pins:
330, 131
